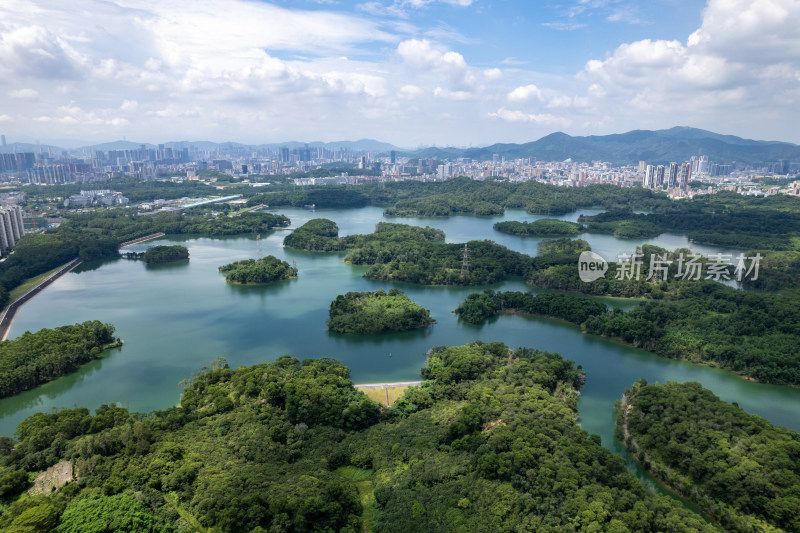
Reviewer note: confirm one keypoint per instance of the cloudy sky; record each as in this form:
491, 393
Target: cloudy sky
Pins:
409, 72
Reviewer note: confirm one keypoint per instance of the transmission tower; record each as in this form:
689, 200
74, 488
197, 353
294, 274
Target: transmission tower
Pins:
258, 243
465, 263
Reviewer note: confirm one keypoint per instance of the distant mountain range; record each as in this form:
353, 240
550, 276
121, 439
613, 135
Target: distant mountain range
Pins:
660, 146
362, 145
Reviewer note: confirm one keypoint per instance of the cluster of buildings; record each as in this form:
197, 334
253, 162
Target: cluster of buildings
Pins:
189, 160
104, 197
658, 177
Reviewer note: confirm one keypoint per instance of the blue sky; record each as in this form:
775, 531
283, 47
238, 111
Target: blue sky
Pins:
410, 72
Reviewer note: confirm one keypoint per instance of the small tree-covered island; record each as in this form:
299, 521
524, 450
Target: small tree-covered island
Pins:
258, 271
165, 254
376, 312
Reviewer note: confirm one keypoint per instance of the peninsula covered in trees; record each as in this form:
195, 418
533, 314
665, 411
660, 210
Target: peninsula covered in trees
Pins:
576, 309
376, 312
542, 227
489, 441
256, 271
35, 358
755, 335
737, 467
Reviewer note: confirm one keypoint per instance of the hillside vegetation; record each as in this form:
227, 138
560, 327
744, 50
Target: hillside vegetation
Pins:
488, 442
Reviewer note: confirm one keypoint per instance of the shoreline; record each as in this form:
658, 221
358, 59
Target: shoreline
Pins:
10, 311
8, 314
707, 364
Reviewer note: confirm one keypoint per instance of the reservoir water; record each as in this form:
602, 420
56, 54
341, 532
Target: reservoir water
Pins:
177, 318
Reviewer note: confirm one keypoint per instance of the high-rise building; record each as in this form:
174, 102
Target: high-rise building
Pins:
649, 177
685, 176
702, 165
659, 177
642, 166
11, 227
672, 181
392, 157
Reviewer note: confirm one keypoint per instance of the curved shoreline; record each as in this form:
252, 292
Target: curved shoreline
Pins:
7, 317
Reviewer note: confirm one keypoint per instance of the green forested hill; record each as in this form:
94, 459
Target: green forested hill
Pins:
488, 443
738, 467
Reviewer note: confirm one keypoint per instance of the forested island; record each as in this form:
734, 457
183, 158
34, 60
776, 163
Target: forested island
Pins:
488, 442
36, 358
256, 271
165, 254
376, 312
542, 227
316, 235
399, 252
737, 467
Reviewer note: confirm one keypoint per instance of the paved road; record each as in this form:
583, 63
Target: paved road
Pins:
379, 385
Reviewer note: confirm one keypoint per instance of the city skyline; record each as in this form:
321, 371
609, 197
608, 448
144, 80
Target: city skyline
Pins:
408, 72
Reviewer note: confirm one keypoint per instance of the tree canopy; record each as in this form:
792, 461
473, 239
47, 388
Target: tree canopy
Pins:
264, 270
376, 312
488, 442
35, 358
738, 467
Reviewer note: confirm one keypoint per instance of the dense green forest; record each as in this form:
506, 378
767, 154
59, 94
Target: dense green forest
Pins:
376, 312
316, 235
398, 252
263, 270
756, 335
35, 358
555, 268
737, 467
488, 443
541, 227
437, 263
722, 219
322, 235
125, 227
463, 196
98, 235
577, 309
165, 254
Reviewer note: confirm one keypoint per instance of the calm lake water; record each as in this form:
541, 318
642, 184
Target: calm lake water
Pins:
177, 318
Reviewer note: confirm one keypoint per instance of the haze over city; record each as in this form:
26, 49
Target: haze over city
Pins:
408, 72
